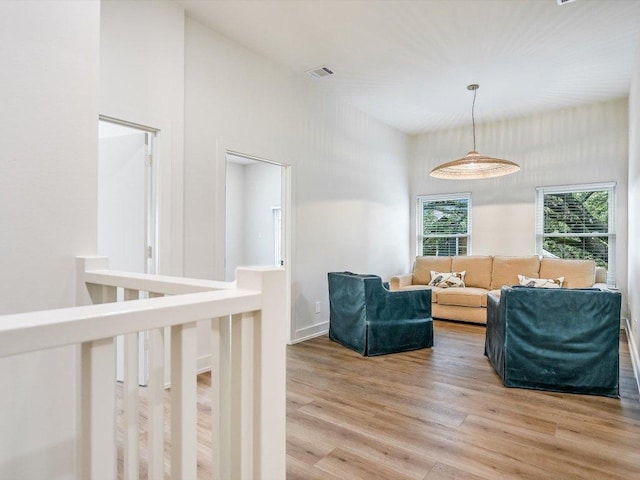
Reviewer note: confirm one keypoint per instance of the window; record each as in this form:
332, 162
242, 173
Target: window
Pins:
444, 225
578, 222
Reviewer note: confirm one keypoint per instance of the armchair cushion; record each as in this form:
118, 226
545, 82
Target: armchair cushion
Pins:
555, 339
370, 319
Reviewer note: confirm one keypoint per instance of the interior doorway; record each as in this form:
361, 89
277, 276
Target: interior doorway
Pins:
127, 209
254, 221
126, 200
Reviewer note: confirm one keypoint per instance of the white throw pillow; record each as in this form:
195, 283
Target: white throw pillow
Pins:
541, 282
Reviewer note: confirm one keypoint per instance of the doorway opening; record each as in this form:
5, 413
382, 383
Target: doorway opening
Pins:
254, 230
126, 195
127, 215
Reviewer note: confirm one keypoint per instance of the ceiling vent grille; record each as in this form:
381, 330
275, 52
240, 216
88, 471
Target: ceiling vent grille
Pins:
319, 72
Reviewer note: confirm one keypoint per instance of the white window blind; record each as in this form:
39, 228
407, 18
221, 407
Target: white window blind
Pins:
578, 221
444, 224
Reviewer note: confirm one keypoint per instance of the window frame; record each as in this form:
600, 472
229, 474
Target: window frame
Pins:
610, 188
421, 199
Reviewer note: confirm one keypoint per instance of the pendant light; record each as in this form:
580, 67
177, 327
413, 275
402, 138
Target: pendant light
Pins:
474, 165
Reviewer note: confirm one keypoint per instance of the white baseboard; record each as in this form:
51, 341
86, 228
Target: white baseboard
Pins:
307, 333
634, 352
203, 364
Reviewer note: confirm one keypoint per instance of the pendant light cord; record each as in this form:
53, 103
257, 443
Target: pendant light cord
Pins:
473, 118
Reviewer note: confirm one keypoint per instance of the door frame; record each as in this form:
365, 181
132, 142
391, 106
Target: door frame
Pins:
219, 247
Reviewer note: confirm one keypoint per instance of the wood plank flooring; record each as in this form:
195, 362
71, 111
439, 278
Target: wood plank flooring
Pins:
433, 414
443, 413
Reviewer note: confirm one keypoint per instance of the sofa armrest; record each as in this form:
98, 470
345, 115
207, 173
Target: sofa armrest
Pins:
601, 275
400, 281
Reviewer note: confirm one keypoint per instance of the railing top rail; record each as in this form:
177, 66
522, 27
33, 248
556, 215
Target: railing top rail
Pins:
153, 283
28, 332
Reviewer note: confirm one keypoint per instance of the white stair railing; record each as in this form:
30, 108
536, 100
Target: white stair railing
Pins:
248, 391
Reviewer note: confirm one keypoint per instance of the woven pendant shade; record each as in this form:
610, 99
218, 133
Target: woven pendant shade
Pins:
473, 165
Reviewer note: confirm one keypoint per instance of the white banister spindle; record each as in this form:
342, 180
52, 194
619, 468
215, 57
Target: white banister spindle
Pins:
97, 443
184, 402
155, 405
242, 395
220, 398
130, 399
270, 396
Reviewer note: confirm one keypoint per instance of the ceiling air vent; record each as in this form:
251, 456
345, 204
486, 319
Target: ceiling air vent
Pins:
562, 2
319, 72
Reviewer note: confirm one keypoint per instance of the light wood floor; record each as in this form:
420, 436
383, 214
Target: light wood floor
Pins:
433, 414
443, 413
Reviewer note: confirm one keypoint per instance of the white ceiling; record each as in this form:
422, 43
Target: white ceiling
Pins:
407, 63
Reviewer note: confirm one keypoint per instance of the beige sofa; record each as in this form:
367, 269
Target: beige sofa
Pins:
486, 274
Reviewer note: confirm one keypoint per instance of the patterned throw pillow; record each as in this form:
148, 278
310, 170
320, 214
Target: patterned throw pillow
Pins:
446, 280
541, 282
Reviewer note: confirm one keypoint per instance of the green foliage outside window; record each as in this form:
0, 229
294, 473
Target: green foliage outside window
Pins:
576, 225
445, 227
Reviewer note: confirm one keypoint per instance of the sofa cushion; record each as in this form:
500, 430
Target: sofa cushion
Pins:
576, 273
424, 265
478, 268
506, 269
463, 297
434, 290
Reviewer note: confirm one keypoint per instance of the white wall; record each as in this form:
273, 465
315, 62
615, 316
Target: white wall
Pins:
586, 144
48, 181
634, 214
142, 81
350, 195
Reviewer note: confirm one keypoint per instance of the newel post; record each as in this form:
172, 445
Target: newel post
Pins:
96, 374
269, 392
87, 294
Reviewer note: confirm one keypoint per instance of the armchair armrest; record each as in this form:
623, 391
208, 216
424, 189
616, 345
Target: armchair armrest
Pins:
391, 306
400, 281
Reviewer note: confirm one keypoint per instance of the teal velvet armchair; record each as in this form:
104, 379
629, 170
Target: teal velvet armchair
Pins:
368, 318
564, 340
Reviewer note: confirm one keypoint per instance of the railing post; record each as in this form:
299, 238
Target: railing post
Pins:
220, 397
243, 408
130, 400
269, 442
184, 402
155, 405
85, 293
96, 423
